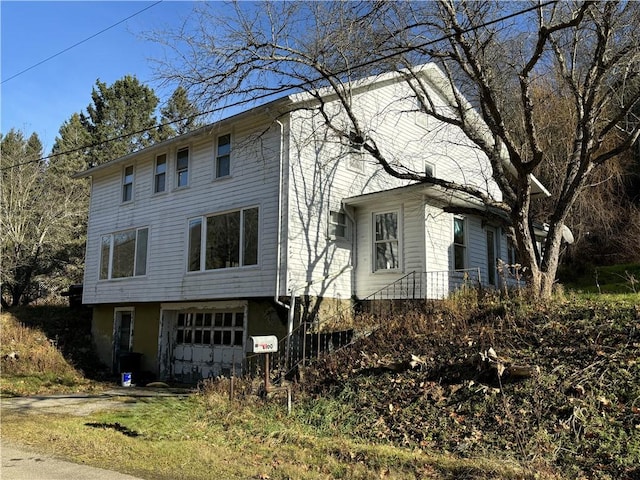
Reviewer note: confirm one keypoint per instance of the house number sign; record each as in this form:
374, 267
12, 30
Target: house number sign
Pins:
264, 344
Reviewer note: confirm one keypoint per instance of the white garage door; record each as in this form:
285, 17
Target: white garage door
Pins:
208, 344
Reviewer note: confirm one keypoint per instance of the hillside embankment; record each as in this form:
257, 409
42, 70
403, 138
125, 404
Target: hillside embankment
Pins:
556, 385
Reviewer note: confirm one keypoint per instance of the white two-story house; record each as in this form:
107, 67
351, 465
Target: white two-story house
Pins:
198, 242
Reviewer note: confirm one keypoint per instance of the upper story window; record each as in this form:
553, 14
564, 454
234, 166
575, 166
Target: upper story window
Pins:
160, 173
225, 240
127, 184
124, 254
459, 243
338, 225
223, 156
386, 241
182, 167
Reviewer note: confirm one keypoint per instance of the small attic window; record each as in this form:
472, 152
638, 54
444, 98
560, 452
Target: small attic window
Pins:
429, 169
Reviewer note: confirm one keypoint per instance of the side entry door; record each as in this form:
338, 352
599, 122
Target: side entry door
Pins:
122, 335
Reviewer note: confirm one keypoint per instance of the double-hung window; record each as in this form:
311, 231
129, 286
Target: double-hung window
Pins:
223, 156
459, 243
160, 175
127, 184
225, 240
337, 225
124, 254
386, 241
182, 167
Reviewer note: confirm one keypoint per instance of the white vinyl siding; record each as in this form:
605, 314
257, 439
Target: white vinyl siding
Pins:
317, 174
167, 215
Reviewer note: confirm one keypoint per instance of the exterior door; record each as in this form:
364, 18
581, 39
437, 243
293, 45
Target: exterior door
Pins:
122, 335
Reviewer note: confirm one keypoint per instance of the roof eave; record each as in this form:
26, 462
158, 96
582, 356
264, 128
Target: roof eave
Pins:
287, 100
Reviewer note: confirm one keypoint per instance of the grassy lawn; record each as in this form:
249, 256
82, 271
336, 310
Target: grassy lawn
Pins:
206, 437
615, 279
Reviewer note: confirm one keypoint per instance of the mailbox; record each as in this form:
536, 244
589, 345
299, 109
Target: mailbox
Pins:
264, 344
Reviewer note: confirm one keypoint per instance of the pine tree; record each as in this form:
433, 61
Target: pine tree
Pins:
120, 120
179, 116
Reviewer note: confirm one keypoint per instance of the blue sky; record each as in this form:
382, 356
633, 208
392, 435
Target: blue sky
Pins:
41, 99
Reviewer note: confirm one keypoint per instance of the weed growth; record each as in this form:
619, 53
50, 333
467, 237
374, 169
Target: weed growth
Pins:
32, 363
560, 392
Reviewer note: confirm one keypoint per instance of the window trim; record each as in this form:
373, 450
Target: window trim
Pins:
203, 240
126, 184
398, 241
156, 174
109, 275
217, 157
464, 245
179, 171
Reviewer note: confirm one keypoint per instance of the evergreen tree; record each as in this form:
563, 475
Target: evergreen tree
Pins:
179, 116
120, 120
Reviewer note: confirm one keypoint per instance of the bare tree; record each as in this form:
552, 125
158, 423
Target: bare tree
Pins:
38, 213
493, 58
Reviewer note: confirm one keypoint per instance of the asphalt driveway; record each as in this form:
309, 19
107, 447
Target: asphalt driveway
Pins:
19, 463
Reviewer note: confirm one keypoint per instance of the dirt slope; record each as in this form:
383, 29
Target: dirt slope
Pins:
555, 386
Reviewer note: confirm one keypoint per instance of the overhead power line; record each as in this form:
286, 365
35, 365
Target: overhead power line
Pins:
80, 42
284, 89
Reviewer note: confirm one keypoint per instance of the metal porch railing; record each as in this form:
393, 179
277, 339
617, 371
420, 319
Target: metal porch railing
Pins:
309, 340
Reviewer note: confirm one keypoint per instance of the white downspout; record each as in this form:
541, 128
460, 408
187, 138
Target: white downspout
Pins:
276, 296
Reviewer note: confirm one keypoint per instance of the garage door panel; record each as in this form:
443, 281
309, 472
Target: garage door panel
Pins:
208, 344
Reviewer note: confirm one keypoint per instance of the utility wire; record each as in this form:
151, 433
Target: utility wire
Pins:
80, 42
284, 89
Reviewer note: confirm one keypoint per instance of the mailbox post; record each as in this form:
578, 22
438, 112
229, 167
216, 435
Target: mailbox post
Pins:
265, 345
